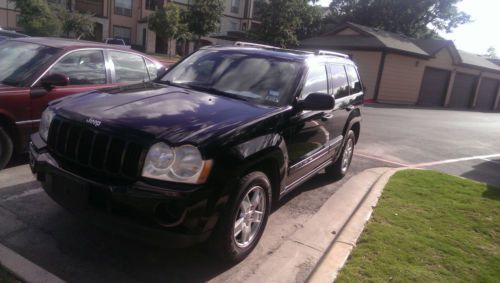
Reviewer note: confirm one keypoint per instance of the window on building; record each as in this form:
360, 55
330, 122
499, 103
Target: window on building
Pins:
339, 85
123, 33
128, 67
316, 81
152, 5
354, 81
84, 67
235, 6
123, 7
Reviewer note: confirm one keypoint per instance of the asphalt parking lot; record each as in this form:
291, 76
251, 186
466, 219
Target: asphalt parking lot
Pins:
458, 142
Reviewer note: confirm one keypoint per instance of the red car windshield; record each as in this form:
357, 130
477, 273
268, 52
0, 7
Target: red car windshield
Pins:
19, 61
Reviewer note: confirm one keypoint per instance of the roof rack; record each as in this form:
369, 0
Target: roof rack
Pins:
250, 44
323, 52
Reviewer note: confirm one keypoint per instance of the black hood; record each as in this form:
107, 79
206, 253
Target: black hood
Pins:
174, 114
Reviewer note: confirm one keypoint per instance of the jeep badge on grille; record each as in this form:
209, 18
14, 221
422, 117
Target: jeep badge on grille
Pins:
93, 122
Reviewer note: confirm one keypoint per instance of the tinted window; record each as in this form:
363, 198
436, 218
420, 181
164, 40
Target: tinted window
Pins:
316, 80
354, 81
153, 71
338, 81
245, 75
84, 67
19, 61
128, 67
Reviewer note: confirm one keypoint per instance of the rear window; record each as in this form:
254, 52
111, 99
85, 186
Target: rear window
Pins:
354, 81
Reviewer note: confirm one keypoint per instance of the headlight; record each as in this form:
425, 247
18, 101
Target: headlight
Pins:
182, 164
47, 117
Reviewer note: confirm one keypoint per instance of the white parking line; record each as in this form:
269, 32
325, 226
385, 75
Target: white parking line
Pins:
24, 194
428, 164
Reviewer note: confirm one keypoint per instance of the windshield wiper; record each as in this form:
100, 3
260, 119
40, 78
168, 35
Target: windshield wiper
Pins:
213, 90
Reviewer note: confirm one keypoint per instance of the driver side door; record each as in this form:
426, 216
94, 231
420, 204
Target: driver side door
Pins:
86, 70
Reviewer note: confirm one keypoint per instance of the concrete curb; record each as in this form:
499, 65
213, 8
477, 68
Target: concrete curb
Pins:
15, 176
25, 269
336, 256
296, 260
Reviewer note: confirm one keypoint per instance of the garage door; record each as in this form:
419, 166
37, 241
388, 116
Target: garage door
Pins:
487, 94
463, 90
434, 86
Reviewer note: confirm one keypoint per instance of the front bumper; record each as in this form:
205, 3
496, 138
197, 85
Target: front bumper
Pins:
175, 217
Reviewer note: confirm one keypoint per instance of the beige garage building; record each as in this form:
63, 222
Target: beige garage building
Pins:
402, 70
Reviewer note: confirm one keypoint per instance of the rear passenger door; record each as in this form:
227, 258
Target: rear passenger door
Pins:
347, 89
127, 68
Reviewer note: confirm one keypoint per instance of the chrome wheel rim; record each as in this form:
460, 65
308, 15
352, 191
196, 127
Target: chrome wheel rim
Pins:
346, 156
249, 218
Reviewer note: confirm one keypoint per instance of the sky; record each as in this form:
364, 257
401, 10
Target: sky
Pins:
479, 35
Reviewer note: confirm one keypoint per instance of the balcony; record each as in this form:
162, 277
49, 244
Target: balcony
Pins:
95, 7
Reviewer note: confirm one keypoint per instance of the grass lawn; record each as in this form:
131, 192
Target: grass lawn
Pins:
6, 277
430, 227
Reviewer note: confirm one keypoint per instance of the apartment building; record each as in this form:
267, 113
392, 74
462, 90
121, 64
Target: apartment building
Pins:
127, 19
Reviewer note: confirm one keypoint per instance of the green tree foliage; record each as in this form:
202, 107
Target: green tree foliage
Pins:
166, 23
421, 19
204, 17
75, 24
284, 22
37, 18
491, 53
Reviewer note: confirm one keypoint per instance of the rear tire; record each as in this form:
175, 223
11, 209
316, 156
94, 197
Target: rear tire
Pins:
339, 169
6, 148
243, 222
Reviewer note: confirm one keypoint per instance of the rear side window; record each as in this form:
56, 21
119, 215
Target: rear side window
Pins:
84, 67
354, 81
338, 81
316, 81
128, 67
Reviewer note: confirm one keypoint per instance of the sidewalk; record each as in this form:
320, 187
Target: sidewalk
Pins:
316, 252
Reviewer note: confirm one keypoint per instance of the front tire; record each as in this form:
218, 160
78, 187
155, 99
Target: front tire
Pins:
339, 169
6, 148
242, 224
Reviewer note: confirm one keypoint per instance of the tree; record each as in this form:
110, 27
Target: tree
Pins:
37, 18
421, 19
491, 53
165, 22
75, 24
284, 22
204, 17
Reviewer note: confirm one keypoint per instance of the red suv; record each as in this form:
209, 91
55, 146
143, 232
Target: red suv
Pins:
34, 71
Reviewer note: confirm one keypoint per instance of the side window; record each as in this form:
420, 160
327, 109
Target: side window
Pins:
153, 71
338, 81
84, 67
128, 67
354, 81
316, 80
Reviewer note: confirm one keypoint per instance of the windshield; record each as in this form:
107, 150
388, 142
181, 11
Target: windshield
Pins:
19, 61
238, 74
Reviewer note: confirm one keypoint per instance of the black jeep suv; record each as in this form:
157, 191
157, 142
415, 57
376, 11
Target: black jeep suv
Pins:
203, 152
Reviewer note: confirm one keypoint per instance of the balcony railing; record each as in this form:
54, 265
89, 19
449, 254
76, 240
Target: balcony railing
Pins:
95, 7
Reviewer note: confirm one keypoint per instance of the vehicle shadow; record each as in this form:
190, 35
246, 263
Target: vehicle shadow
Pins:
17, 160
492, 192
486, 172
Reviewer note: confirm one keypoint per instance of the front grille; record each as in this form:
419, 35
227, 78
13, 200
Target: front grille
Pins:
90, 152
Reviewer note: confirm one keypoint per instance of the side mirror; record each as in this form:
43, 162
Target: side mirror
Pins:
318, 102
50, 81
161, 72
